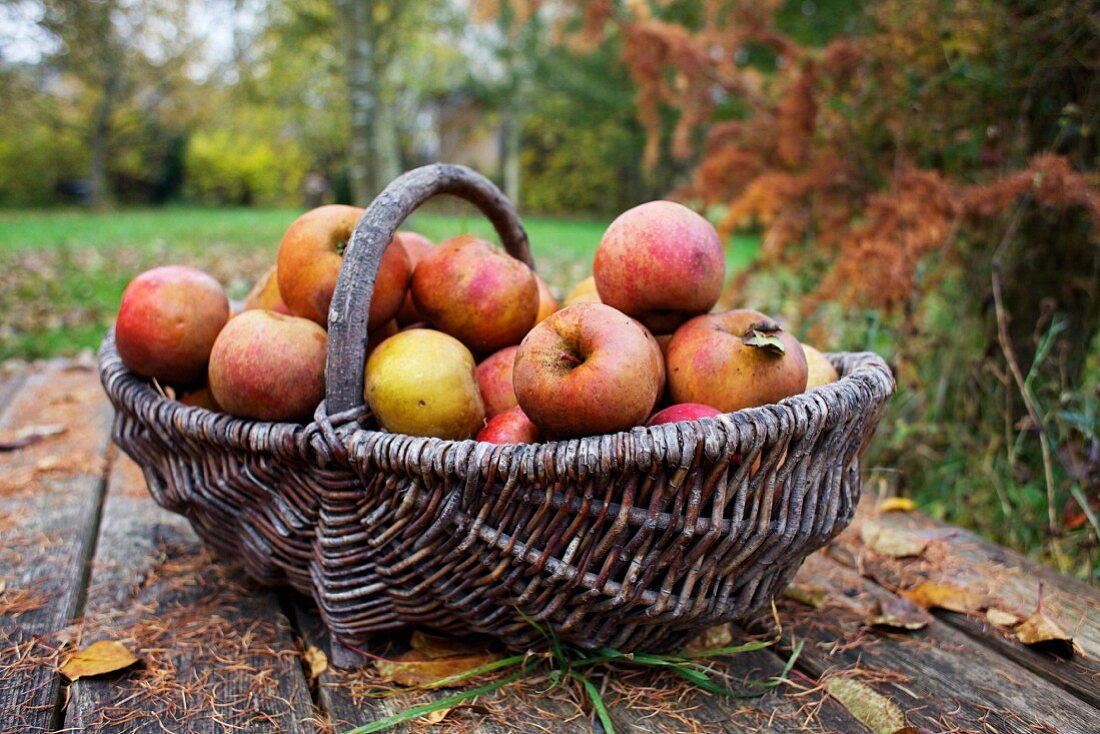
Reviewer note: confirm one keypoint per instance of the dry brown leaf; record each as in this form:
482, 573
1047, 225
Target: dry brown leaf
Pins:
438, 646
891, 542
30, 435
1001, 618
931, 595
717, 636
434, 717
1040, 631
811, 596
875, 711
99, 658
316, 661
896, 504
411, 669
900, 613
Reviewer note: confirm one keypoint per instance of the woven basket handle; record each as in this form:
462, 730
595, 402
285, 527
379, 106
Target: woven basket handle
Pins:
347, 316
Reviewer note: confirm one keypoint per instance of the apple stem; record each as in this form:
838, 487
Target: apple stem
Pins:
571, 358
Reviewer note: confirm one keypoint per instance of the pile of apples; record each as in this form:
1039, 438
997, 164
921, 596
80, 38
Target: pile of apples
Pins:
466, 341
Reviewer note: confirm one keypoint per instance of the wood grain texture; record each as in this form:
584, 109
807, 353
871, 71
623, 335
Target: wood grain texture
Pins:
216, 651
49, 498
941, 678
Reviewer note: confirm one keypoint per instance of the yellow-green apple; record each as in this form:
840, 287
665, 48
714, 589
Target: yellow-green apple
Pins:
269, 366
421, 382
416, 246
821, 370
733, 360
588, 369
682, 412
583, 292
265, 294
167, 323
661, 263
511, 426
476, 292
548, 304
310, 256
494, 378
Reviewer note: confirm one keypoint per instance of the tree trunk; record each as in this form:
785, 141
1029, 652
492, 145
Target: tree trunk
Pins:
362, 89
100, 195
510, 131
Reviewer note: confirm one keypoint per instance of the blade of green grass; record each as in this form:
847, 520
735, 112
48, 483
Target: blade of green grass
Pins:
598, 704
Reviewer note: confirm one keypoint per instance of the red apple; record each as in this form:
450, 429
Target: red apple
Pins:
661, 263
269, 367
682, 412
310, 256
494, 378
476, 293
416, 246
733, 360
167, 323
587, 369
511, 426
265, 294
548, 304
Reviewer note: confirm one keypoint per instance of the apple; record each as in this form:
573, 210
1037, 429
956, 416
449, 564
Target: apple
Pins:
587, 369
201, 397
416, 246
421, 382
494, 378
265, 294
310, 256
583, 292
476, 293
511, 426
381, 334
269, 366
733, 360
548, 304
682, 412
167, 323
661, 263
821, 370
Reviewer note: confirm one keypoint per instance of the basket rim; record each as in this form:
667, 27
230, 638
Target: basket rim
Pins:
864, 373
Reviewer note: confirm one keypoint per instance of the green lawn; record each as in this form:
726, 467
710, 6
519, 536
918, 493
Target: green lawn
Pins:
62, 272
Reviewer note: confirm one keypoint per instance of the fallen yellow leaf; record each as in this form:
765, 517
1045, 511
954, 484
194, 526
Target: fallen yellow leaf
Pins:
930, 595
875, 711
411, 669
1042, 632
316, 661
811, 596
890, 542
896, 504
439, 646
99, 658
717, 636
1001, 618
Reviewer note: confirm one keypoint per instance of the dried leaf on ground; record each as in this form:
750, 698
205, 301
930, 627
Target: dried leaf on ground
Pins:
1042, 632
931, 595
890, 542
28, 436
316, 661
896, 504
439, 646
412, 669
875, 711
811, 596
1001, 618
900, 613
99, 658
711, 638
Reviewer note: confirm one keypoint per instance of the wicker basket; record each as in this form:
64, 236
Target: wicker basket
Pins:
633, 540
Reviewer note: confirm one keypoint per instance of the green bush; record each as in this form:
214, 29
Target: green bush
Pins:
225, 166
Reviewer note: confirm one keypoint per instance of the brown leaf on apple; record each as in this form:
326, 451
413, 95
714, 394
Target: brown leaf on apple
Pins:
28, 436
875, 711
890, 542
99, 658
764, 340
932, 595
899, 613
413, 669
433, 647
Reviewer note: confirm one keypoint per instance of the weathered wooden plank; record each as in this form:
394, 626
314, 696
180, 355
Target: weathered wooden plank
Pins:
11, 379
1010, 582
943, 679
217, 652
49, 498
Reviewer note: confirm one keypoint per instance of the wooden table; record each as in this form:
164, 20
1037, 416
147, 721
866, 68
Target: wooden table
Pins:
87, 555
